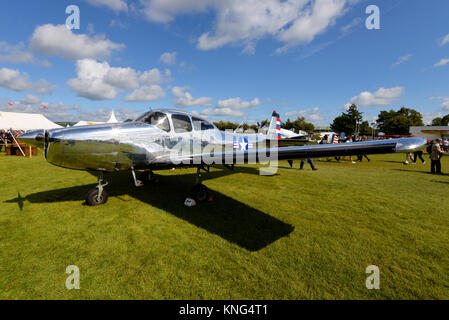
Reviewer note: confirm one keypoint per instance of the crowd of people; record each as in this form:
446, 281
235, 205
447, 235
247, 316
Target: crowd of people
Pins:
7, 137
435, 149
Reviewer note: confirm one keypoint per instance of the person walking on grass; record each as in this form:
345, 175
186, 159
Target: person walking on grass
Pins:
418, 154
310, 161
435, 156
350, 157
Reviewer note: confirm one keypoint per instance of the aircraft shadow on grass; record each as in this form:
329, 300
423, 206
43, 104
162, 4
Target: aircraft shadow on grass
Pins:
228, 218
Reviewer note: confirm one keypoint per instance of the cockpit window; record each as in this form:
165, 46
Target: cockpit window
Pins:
157, 119
200, 124
181, 123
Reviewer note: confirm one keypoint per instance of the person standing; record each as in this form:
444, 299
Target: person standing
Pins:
435, 156
446, 145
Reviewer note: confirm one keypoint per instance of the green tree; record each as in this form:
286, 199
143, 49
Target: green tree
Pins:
298, 124
399, 122
224, 125
349, 121
441, 121
365, 129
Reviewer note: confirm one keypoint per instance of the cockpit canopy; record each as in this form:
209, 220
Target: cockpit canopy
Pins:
175, 121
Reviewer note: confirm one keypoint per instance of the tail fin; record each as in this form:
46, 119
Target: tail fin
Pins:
334, 139
274, 131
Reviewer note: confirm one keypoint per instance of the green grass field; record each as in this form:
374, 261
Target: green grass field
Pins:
296, 235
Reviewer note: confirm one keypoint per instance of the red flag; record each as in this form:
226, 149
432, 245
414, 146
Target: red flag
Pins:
44, 107
10, 103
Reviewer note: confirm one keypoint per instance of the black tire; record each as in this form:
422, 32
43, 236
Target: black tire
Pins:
200, 193
92, 198
148, 177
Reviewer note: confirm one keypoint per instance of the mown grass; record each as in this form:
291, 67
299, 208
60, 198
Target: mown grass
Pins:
296, 235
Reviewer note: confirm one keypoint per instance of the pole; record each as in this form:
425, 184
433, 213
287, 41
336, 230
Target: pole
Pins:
14, 138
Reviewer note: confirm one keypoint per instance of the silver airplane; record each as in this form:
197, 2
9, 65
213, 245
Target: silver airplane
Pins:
163, 139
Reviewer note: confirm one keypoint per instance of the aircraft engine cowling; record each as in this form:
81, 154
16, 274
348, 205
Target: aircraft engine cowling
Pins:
93, 148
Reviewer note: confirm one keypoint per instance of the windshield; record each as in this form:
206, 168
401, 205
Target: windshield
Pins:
157, 119
181, 123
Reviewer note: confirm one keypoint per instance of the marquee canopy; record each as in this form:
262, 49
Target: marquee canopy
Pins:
112, 119
25, 121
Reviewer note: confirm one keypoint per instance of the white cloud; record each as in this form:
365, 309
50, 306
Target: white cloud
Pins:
43, 87
169, 58
227, 112
314, 20
90, 82
166, 10
52, 40
118, 23
14, 80
152, 76
441, 63
238, 103
313, 114
18, 54
444, 40
231, 108
103, 114
402, 59
429, 116
354, 23
57, 111
115, 5
123, 78
146, 93
292, 22
444, 104
99, 81
380, 98
185, 99
17, 81
30, 99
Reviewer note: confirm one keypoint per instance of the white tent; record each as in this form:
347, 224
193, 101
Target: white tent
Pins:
112, 119
25, 121
86, 123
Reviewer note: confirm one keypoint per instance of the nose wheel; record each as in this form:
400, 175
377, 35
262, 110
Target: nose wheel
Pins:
200, 193
98, 196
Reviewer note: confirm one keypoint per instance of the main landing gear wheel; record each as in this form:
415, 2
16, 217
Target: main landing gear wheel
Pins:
94, 199
200, 193
97, 196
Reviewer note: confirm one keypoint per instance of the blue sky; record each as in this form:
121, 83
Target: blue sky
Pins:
227, 59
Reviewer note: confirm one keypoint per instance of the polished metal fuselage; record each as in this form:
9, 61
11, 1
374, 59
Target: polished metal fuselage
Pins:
117, 147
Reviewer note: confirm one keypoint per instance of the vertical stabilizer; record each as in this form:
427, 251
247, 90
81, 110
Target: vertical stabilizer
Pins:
274, 131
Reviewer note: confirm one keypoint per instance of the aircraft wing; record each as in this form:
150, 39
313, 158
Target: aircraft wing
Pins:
305, 152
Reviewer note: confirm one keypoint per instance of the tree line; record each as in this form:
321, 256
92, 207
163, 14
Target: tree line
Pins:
392, 122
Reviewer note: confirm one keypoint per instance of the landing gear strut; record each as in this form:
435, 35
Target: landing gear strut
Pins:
98, 196
199, 192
